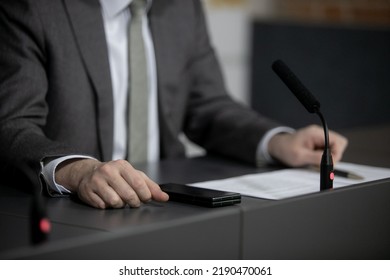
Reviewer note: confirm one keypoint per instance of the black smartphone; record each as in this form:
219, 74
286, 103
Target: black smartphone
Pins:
200, 196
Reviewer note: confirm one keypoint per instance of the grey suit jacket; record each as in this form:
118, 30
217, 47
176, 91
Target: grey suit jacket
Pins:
56, 95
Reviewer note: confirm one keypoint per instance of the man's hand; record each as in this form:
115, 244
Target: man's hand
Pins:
305, 146
108, 184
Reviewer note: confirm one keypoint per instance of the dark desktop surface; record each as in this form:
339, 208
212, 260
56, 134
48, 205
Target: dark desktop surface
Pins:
347, 223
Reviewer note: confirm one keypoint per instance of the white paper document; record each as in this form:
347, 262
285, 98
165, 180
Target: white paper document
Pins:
287, 183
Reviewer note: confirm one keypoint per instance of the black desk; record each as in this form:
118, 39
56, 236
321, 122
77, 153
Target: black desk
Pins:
350, 223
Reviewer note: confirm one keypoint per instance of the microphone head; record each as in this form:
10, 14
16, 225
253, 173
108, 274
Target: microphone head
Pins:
294, 84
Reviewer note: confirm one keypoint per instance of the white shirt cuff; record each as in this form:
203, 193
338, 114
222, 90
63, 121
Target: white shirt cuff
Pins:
48, 171
262, 155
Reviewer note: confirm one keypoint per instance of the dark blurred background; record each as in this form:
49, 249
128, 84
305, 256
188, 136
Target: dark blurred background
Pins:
340, 49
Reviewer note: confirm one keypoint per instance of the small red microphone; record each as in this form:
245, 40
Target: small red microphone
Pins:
40, 225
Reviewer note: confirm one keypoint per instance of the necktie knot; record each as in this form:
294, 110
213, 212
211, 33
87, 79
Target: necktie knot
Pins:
137, 7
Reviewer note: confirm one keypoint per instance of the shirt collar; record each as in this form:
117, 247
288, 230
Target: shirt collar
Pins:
113, 7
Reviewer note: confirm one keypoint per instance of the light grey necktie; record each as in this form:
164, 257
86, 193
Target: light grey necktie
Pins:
138, 81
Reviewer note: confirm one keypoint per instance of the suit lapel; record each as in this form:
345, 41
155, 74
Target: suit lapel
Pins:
87, 23
164, 48
157, 26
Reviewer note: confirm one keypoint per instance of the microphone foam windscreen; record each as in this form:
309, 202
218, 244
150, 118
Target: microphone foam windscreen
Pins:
294, 84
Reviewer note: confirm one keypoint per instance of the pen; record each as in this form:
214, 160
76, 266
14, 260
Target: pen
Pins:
347, 174
342, 173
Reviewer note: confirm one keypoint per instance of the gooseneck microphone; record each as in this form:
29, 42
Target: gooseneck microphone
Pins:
312, 106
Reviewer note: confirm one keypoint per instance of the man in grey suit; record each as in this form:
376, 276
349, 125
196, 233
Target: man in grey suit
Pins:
61, 84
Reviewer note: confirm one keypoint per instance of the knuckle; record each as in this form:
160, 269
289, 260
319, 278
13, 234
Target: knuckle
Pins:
94, 182
121, 163
295, 154
138, 182
133, 200
296, 157
145, 195
132, 197
115, 202
315, 127
106, 169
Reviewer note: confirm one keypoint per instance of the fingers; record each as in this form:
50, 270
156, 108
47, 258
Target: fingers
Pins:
310, 143
115, 184
338, 144
310, 157
145, 188
100, 196
305, 146
155, 190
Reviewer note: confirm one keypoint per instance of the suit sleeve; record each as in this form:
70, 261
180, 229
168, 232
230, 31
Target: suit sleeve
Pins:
214, 120
23, 88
